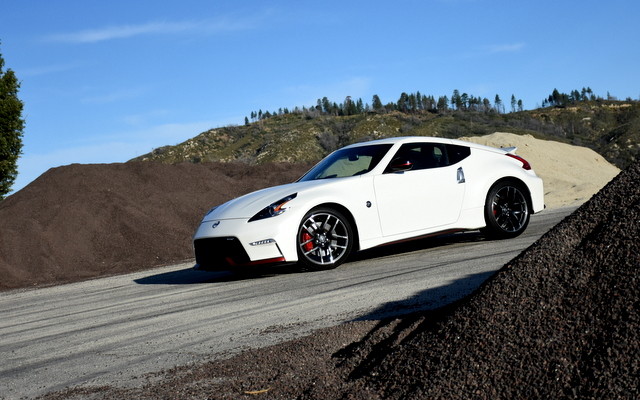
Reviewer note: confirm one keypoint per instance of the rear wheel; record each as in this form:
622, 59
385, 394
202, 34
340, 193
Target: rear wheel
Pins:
506, 210
324, 240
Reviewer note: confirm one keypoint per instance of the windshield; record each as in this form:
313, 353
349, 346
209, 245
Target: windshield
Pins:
348, 162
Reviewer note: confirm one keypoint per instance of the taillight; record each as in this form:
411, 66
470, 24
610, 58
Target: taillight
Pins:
525, 163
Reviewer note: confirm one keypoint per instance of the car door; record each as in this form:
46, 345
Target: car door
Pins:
419, 190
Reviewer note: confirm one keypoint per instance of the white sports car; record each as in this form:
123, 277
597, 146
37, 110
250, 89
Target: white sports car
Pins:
370, 194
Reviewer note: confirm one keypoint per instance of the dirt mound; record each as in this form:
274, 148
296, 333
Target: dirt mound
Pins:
84, 221
560, 321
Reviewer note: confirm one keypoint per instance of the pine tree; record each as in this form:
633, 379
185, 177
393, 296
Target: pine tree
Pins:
486, 104
443, 104
413, 103
326, 105
464, 101
497, 103
403, 102
11, 126
359, 106
377, 104
456, 101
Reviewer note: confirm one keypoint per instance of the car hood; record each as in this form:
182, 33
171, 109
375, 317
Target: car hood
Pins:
250, 204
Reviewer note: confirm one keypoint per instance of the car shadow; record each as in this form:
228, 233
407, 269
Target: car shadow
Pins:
412, 245
429, 300
190, 276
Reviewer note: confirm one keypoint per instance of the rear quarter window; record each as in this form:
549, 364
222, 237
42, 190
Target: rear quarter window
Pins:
457, 153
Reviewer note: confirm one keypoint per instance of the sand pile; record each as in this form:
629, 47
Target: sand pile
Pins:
571, 174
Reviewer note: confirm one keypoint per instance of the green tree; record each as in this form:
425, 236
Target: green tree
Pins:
359, 106
377, 104
456, 100
443, 104
11, 126
413, 103
486, 104
497, 103
350, 107
464, 101
326, 105
403, 102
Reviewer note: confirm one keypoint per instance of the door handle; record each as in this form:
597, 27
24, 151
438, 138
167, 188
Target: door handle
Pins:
460, 175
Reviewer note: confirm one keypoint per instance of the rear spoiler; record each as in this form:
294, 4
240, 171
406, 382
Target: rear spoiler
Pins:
509, 150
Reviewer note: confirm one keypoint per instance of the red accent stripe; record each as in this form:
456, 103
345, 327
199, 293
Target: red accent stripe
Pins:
525, 163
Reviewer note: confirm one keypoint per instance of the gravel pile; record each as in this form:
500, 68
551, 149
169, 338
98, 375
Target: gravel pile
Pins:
559, 321
84, 221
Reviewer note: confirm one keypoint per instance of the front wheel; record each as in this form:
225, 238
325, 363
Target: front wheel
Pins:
506, 210
324, 240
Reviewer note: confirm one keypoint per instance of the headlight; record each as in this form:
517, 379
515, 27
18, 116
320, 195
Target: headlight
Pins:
273, 209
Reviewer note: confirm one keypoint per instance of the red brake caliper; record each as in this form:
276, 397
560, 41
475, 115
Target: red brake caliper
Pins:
306, 237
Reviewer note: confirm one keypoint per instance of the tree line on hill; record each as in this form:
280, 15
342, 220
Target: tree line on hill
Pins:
557, 99
412, 103
409, 103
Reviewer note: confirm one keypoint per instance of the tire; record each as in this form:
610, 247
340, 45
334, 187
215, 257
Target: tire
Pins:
506, 210
324, 240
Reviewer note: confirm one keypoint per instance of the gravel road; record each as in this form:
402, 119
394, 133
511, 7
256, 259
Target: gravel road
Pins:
114, 330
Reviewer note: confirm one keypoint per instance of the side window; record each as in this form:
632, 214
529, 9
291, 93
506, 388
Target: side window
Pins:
422, 155
457, 153
429, 155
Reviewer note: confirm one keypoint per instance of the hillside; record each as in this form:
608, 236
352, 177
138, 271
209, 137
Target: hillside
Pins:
611, 128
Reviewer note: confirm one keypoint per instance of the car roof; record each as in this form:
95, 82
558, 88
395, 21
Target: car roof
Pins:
427, 139
403, 139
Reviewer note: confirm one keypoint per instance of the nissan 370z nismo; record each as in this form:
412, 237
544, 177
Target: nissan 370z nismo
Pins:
369, 194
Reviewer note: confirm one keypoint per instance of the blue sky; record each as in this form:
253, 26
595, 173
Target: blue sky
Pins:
105, 81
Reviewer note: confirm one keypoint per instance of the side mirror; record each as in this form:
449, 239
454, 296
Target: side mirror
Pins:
400, 165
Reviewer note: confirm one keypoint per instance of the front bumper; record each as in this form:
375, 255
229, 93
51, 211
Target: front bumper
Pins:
230, 243
223, 253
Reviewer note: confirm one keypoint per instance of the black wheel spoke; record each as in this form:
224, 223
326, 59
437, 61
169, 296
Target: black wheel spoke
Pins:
508, 212
323, 238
